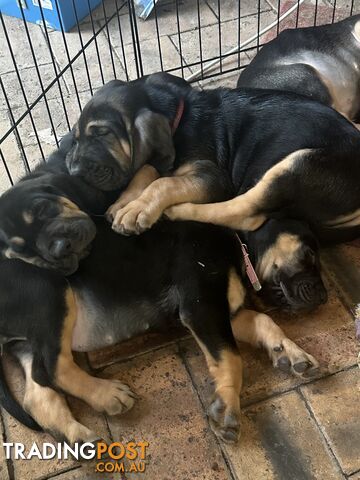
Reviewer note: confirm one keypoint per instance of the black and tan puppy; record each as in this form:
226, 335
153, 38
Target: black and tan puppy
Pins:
284, 155
285, 254
321, 62
125, 287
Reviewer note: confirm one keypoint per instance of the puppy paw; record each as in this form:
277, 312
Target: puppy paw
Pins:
290, 358
113, 397
224, 422
135, 218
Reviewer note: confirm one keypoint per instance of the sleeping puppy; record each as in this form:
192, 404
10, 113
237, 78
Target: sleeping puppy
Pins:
284, 155
321, 62
285, 254
115, 294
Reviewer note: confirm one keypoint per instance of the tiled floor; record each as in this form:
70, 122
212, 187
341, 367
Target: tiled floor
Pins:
290, 430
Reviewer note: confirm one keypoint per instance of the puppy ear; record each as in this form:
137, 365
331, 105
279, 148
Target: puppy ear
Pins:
152, 142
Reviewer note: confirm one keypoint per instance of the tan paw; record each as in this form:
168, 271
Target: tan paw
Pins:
112, 397
224, 422
289, 357
135, 218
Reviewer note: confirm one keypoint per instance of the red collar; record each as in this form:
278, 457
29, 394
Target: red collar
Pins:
178, 115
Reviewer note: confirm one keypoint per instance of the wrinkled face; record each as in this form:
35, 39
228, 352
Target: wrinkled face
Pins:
40, 227
116, 134
101, 153
290, 274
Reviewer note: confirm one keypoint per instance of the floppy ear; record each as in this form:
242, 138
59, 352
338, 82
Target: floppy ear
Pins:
152, 142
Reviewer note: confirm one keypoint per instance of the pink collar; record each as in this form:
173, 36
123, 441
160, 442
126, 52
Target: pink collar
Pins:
250, 271
178, 115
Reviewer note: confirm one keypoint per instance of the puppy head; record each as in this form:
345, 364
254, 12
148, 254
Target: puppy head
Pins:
286, 255
117, 132
39, 226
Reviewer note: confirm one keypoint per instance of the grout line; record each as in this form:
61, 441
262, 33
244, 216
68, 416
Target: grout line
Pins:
113, 48
101, 368
324, 437
295, 387
59, 472
227, 462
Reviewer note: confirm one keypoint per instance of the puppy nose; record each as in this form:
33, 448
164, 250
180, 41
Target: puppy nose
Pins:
60, 247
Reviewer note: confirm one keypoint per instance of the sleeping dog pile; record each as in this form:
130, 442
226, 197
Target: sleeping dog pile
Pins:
279, 169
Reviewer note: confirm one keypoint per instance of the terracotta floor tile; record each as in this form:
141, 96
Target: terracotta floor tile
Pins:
280, 440
168, 416
333, 344
334, 402
343, 266
141, 344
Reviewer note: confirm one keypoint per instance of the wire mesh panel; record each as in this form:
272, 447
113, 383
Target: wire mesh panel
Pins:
47, 76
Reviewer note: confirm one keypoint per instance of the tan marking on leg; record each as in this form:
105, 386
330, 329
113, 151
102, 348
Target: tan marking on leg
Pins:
240, 213
110, 396
142, 213
236, 291
51, 410
284, 250
259, 329
344, 221
142, 179
224, 409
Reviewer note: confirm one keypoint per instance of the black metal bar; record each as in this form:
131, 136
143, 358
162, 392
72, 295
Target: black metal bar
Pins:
108, 37
158, 35
68, 54
219, 25
96, 43
52, 83
82, 50
333, 15
121, 39
316, 12
258, 27
137, 39
278, 16
239, 32
21, 84
6, 168
54, 65
133, 38
352, 7
297, 15
179, 38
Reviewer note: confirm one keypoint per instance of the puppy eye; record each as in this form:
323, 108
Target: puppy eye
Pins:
101, 131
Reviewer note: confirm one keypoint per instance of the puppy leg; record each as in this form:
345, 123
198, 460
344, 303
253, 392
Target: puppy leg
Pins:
259, 329
50, 409
209, 322
200, 181
109, 396
142, 179
244, 212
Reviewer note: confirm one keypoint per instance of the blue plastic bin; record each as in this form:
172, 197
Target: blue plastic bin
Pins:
50, 8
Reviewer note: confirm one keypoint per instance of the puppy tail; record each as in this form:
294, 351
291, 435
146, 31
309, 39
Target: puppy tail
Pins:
8, 402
